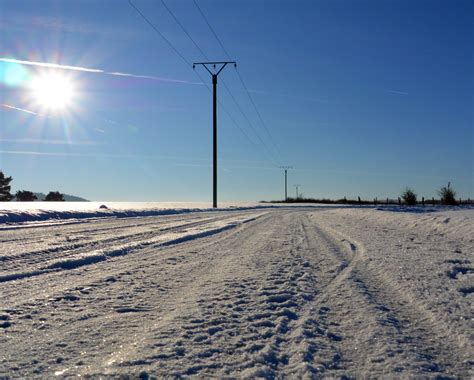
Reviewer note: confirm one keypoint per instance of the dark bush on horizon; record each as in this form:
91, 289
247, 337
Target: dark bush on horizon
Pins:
447, 195
409, 197
54, 196
25, 196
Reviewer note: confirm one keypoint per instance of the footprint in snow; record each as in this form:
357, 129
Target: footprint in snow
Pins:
5, 321
467, 290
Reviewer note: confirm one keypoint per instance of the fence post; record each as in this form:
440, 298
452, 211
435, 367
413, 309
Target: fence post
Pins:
423, 201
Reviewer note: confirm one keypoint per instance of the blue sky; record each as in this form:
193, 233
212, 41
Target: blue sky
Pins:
360, 97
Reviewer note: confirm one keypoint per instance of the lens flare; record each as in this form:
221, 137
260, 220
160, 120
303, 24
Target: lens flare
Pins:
52, 91
13, 74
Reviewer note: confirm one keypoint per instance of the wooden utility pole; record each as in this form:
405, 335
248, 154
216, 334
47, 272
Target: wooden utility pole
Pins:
214, 68
285, 168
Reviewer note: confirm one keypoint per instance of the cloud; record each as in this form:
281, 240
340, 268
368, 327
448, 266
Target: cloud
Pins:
36, 153
19, 21
397, 92
307, 98
96, 155
7, 106
49, 142
50, 65
19, 109
96, 71
99, 130
119, 74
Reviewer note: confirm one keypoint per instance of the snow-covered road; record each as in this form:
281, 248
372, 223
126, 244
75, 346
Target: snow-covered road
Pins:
258, 293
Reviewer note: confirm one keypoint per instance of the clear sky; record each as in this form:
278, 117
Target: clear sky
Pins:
360, 97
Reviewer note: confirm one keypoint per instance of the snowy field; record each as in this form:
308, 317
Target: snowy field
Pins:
243, 292
27, 212
20, 212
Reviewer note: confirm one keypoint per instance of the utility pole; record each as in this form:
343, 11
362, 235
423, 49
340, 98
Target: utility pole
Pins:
214, 68
285, 168
297, 190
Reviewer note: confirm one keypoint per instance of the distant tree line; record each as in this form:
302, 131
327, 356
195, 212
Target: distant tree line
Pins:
24, 195
408, 197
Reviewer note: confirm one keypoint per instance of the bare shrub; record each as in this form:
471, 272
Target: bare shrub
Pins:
409, 197
447, 195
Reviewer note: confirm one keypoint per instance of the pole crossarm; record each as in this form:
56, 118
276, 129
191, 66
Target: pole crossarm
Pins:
213, 66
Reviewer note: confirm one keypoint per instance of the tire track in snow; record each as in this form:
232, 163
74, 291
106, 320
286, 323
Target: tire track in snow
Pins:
104, 306
231, 323
74, 267
263, 325
397, 334
55, 243
73, 256
279, 297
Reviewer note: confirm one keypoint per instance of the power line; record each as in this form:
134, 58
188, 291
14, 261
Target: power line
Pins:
212, 30
168, 42
234, 122
240, 77
250, 124
223, 82
159, 33
184, 30
257, 111
188, 64
226, 111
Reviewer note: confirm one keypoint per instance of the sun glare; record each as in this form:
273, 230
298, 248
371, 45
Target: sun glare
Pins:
52, 91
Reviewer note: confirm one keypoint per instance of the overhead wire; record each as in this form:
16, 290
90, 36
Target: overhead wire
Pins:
199, 76
223, 82
184, 29
159, 33
188, 64
212, 30
240, 77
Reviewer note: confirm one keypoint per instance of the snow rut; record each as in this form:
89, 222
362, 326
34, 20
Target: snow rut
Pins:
243, 317
283, 296
389, 332
60, 256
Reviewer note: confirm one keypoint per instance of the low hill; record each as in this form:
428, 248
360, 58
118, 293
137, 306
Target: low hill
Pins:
67, 198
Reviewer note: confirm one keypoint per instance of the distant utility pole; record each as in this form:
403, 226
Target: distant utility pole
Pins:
285, 168
296, 190
212, 70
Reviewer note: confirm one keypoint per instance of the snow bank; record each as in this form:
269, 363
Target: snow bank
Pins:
48, 213
54, 212
16, 212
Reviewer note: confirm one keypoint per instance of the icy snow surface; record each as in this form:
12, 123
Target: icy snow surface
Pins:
20, 212
248, 292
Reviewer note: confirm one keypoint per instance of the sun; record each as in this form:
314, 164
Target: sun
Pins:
52, 91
